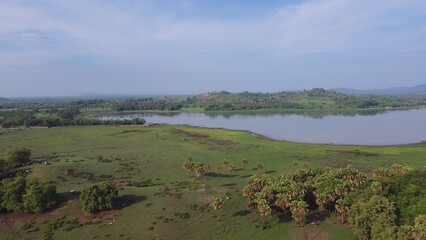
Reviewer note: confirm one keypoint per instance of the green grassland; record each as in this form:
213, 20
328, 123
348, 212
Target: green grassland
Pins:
158, 199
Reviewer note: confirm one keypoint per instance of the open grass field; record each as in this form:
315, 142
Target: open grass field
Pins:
158, 199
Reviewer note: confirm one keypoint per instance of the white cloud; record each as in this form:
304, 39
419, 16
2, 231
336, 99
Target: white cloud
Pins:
144, 35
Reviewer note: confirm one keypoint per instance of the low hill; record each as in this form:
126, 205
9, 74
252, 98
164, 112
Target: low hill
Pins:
415, 90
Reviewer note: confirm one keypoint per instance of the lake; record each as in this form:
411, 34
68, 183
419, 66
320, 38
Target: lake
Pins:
352, 128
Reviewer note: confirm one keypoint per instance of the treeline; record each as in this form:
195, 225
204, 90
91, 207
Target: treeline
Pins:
316, 98
65, 117
393, 206
50, 113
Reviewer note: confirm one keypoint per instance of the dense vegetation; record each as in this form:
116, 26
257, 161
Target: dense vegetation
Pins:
21, 195
53, 118
40, 112
376, 209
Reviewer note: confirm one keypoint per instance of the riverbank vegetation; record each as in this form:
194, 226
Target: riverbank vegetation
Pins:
63, 112
176, 182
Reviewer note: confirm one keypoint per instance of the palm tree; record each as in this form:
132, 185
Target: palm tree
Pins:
381, 173
264, 209
231, 167
244, 162
218, 170
377, 187
342, 207
299, 210
199, 170
396, 168
225, 163
189, 166
259, 166
295, 164
207, 167
218, 205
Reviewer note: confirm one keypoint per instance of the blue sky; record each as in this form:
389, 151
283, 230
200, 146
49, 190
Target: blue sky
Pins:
72, 47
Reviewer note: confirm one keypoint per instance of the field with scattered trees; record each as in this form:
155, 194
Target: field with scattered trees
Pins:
170, 182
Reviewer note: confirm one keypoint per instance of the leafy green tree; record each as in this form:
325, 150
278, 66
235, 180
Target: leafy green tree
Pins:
419, 228
12, 195
39, 197
373, 217
99, 197
18, 156
4, 167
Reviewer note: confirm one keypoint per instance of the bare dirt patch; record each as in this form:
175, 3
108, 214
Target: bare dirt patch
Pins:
354, 153
203, 138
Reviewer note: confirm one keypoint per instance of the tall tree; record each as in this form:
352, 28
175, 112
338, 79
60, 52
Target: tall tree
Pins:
218, 205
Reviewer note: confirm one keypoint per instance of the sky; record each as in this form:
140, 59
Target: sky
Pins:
73, 47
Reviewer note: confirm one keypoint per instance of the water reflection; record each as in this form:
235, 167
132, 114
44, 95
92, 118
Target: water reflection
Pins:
367, 127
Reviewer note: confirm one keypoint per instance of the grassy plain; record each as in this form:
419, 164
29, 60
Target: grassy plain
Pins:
158, 199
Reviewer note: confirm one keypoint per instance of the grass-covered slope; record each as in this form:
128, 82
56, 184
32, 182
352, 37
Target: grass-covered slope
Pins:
158, 199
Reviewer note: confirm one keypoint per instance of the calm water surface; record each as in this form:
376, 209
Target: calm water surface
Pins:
363, 128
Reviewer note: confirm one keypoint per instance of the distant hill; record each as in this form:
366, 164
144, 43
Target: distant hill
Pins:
416, 90
3, 99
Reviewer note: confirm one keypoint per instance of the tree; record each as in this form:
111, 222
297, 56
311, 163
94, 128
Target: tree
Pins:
18, 156
218, 170
264, 209
419, 228
218, 205
4, 167
189, 165
299, 210
12, 195
373, 217
376, 187
259, 166
99, 197
225, 163
342, 207
39, 197
244, 162
200, 170
231, 167
381, 173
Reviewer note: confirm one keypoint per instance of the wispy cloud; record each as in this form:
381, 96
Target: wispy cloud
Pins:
176, 36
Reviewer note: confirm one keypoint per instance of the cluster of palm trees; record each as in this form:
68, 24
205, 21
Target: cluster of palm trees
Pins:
196, 168
304, 190
396, 169
200, 169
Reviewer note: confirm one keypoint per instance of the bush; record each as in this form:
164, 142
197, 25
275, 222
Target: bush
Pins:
31, 197
99, 197
39, 197
18, 156
12, 195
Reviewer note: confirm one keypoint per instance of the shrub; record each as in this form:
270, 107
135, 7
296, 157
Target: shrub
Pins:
99, 197
18, 156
